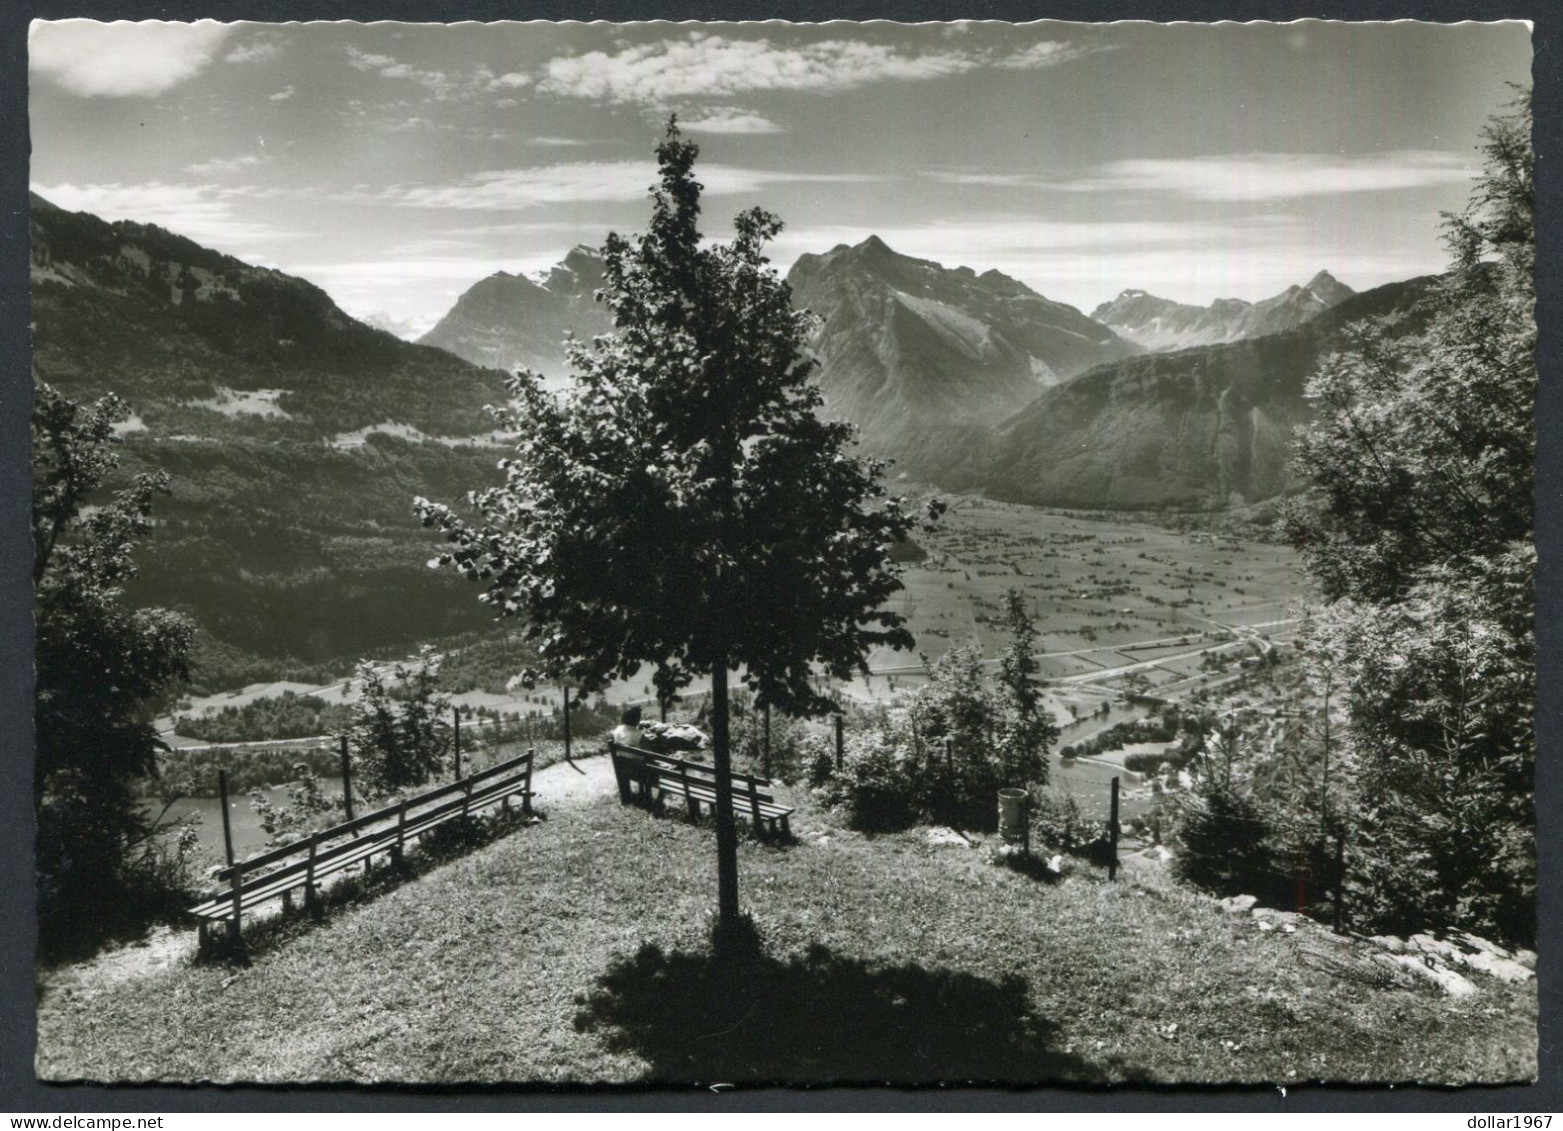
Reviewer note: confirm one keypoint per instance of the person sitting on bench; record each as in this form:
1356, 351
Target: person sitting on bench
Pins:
627, 733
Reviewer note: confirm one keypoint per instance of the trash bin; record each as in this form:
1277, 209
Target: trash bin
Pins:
1012, 815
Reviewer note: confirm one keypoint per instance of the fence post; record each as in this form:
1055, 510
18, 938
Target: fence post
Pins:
839, 726
310, 903
455, 716
234, 936
1025, 824
526, 790
765, 750
1340, 879
1112, 835
567, 722
222, 792
401, 832
347, 780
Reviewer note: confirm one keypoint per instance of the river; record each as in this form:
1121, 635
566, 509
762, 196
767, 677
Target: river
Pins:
248, 836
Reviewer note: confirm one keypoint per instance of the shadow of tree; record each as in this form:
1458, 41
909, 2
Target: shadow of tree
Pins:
822, 1018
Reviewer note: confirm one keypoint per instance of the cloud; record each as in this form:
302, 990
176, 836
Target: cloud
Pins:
1047, 53
224, 165
991, 180
364, 61
116, 60
704, 65
1279, 176
556, 142
202, 212
603, 181
438, 83
282, 95
727, 120
255, 51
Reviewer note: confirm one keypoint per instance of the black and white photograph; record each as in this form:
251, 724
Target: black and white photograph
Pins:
774, 555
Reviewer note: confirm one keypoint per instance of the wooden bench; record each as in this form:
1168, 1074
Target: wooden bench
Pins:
305, 862
649, 778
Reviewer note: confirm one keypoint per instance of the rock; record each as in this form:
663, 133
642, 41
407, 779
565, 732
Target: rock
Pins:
1474, 954
1471, 942
665, 737
939, 836
1452, 983
1237, 904
1390, 943
1504, 969
1266, 925
1055, 864
1526, 958
1287, 928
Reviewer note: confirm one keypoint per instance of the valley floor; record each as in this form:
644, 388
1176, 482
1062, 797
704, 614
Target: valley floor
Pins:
575, 951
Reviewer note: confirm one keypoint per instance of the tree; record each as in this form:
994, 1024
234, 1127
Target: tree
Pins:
397, 735
685, 506
1419, 534
1029, 730
98, 663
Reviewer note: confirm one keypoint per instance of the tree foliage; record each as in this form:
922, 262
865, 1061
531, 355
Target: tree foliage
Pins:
1419, 535
98, 663
685, 505
398, 737
962, 739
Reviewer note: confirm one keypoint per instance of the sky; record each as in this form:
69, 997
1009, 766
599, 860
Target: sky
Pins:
397, 164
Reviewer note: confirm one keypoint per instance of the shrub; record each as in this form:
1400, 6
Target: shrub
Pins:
1147, 763
1227, 844
788, 760
1058, 824
880, 786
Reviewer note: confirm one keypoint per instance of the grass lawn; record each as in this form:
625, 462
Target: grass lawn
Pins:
576, 951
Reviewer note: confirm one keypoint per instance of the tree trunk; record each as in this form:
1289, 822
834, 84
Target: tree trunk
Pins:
726, 833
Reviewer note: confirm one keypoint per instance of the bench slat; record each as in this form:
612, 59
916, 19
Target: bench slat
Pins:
319, 862
676, 779
368, 819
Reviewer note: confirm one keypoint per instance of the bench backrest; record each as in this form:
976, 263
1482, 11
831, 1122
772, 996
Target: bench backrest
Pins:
519, 765
698, 771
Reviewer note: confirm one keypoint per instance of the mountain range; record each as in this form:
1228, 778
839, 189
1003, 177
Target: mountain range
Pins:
926, 359
1200, 428
511, 322
296, 436
1160, 324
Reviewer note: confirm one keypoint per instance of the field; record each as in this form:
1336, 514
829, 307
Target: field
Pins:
1111, 597
1121, 605
575, 951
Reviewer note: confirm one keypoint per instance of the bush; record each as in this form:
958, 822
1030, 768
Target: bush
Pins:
1058, 824
1148, 763
154, 881
879, 786
787, 761
1227, 844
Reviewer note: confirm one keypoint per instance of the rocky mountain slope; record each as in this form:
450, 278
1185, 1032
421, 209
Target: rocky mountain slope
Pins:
925, 359
296, 438
1160, 324
510, 322
1203, 427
